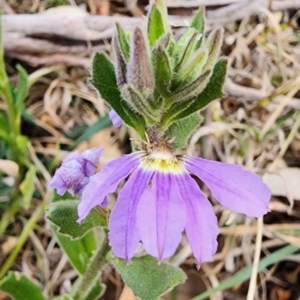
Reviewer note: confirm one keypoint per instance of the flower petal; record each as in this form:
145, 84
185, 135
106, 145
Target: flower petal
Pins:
115, 119
201, 223
105, 182
91, 160
161, 217
123, 234
235, 188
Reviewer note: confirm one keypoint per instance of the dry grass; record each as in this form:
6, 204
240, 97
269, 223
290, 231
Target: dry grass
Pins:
256, 125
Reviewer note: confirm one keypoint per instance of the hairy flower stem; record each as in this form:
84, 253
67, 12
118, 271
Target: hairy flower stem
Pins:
93, 271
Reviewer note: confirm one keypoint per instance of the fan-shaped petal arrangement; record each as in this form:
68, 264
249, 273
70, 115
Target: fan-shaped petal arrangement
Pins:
160, 200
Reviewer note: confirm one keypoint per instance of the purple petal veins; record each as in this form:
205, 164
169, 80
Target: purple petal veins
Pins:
124, 234
236, 189
105, 182
201, 224
74, 173
115, 119
161, 216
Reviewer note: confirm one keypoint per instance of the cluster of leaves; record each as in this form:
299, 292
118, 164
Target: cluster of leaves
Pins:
159, 81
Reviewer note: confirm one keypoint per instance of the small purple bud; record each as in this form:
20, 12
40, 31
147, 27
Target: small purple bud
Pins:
115, 119
74, 173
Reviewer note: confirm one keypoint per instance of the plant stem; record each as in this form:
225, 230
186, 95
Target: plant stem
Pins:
22, 239
93, 271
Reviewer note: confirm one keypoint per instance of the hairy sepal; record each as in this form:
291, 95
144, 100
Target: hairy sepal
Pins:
198, 23
212, 91
104, 80
192, 69
213, 46
138, 103
124, 42
139, 70
155, 25
182, 129
190, 91
162, 70
120, 62
184, 48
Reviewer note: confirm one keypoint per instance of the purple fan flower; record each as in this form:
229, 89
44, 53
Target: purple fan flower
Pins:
115, 119
161, 200
75, 171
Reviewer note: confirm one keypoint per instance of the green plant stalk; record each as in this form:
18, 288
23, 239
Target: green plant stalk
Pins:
8, 214
23, 238
5, 92
93, 271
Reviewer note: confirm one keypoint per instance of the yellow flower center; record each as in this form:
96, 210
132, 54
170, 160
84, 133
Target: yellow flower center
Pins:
164, 162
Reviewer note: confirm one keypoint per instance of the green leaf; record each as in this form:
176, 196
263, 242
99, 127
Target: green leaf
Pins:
21, 89
212, 91
245, 273
96, 292
184, 47
102, 123
182, 129
123, 41
213, 46
162, 71
198, 23
161, 5
155, 25
63, 214
191, 90
27, 187
198, 20
104, 80
78, 251
148, 279
19, 287
138, 103
65, 196
4, 127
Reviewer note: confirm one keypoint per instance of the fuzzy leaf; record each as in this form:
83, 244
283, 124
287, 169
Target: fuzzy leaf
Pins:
190, 91
96, 292
120, 62
123, 41
148, 279
212, 91
138, 102
193, 68
155, 25
162, 70
198, 23
104, 80
63, 214
160, 4
213, 46
182, 129
139, 71
78, 251
19, 287
185, 46
198, 20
